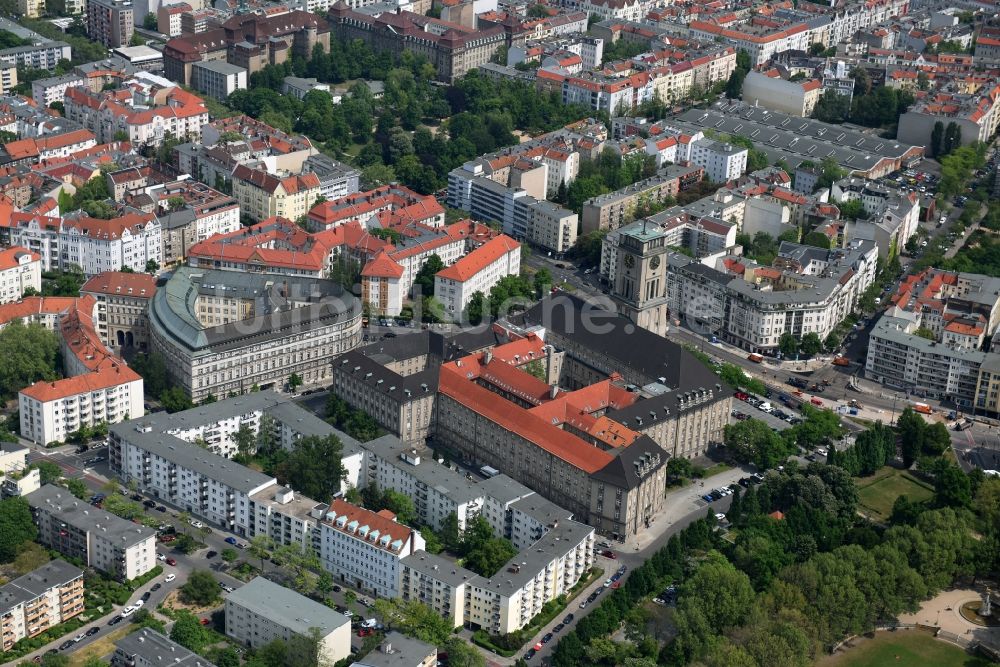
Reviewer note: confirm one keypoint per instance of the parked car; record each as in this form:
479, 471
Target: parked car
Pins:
558, 627
231, 540
93, 631
196, 523
146, 596
161, 508
66, 644
608, 553
115, 620
156, 587
211, 554
547, 638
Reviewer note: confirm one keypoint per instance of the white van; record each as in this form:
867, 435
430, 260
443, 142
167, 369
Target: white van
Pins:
766, 407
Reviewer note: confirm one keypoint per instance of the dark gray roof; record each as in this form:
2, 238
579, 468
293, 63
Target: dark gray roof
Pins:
438, 567
159, 651
398, 650
35, 583
69, 509
286, 607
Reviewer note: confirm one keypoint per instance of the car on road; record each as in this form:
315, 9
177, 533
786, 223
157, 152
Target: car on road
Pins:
170, 577
128, 611
707, 498
146, 596
715, 495
136, 497
80, 637
171, 561
211, 554
66, 644
156, 587
161, 508
167, 538
115, 621
196, 523
161, 557
719, 516
227, 587
608, 553
148, 503
93, 631
547, 638
81, 449
231, 540
529, 654
558, 627
583, 605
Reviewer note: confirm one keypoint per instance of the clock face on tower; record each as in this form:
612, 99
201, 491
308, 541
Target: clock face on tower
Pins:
654, 263
629, 261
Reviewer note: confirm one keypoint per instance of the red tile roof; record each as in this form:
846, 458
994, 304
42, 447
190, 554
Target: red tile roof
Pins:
11, 257
479, 259
105, 378
119, 282
379, 525
382, 267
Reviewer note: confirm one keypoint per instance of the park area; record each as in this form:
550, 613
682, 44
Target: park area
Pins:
878, 492
903, 648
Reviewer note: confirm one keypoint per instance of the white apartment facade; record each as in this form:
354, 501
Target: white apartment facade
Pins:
722, 162
50, 411
102, 540
478, 271
19, 269
363, 548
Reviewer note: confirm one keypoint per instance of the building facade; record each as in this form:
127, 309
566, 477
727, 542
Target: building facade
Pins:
100, 539
478, 271
39, 600
19, 269
110, 22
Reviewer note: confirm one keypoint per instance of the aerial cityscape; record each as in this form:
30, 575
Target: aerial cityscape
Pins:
488, 333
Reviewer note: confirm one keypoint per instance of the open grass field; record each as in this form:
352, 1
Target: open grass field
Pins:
100, 648
907, 648
878, 492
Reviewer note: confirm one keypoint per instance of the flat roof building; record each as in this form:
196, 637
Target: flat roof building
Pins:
262, 611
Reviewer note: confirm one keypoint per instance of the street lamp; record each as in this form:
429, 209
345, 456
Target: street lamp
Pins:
892, 418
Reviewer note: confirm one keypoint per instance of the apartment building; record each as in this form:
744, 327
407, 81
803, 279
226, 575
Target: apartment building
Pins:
98, 387
276, 246
224, 331
100, 539
39, 600
797, 140
437, 582
478, 271
398, 650
60, 144
96, 246
45, 55
18, 479
976, 113
19, 269
147, 110
205, 212
261, 611
218, 79
148, 648
363, 548
893, 216
722, 162
614, 209
121, 300
110, 22
390, 205
263, 195
53, 89
769, 90
31, 9
168, 18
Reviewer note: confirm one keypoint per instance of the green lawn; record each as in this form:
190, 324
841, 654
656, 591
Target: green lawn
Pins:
903, 649
878, 492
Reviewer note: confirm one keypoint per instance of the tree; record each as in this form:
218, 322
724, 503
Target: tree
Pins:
153, 369
245, 440
78, 488
261, 546
49, 472
189, 632
788, 344
811, 344
734, 86
937, 137
910, 426
229, 555
476, 308
485, 554
175, 399
401, 505
462, 654
16, 527
425, 277
832, 342
543, 281
752, 440
414, 619
200, 589
29, 356
152, 266
294, 382
314, 466
832, 107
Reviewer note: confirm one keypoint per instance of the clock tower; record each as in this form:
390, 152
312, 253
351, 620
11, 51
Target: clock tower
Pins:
640, 283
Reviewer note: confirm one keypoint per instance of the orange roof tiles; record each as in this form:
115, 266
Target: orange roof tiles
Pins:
479, 259
104, 378
11, 257
382, 266
379, 524
119, 282
34, 305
